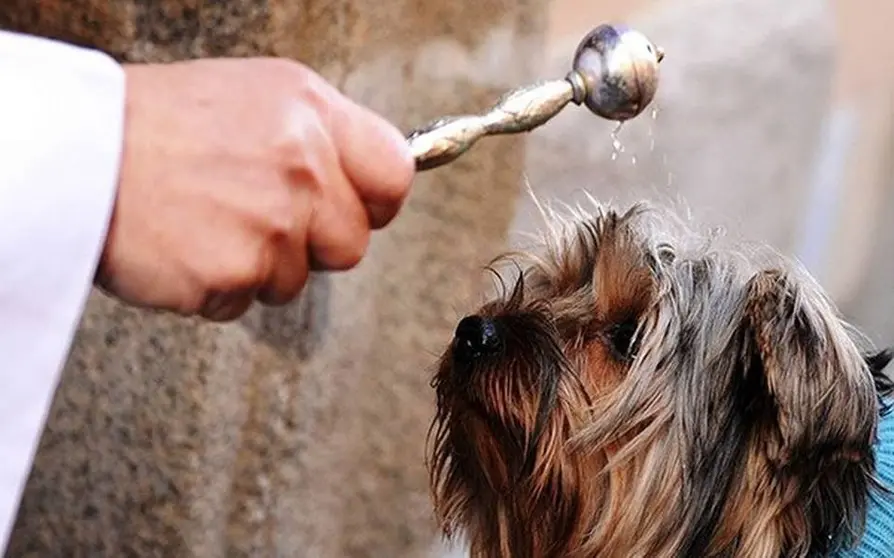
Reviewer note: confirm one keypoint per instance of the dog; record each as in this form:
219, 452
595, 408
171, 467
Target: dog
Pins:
636, 391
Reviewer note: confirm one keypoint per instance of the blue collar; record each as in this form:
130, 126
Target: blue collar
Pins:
878, 538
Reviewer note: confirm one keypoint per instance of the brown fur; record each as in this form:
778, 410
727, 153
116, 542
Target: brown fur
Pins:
649, 395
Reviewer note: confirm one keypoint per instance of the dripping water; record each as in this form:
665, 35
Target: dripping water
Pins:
617, 146
654, 114
652, 129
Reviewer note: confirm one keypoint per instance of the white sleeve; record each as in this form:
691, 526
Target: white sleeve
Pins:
61, 140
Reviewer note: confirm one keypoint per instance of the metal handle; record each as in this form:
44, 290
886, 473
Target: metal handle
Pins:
615, 75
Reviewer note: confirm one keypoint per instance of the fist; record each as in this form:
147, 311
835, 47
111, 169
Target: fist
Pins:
238, 177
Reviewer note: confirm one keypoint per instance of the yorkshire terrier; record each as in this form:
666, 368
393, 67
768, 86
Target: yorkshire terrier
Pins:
637, 392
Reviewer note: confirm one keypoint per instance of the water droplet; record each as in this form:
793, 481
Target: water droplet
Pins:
633, 160
617, 147
655, 111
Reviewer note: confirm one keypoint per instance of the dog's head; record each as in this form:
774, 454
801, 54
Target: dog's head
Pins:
634, 392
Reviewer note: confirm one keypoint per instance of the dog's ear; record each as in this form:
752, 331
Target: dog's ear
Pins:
814, 390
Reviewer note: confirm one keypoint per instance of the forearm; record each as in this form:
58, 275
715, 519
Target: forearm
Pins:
62, 113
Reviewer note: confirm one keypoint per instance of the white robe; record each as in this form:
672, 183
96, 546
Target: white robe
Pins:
61, 137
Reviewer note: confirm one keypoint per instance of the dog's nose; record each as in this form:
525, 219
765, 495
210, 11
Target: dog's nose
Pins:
475, 337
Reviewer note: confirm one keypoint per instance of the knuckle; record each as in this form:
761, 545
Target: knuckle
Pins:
281, 221
283, 227
300, 150
303, 84
316, 93
300, 160
246, 274
290, 151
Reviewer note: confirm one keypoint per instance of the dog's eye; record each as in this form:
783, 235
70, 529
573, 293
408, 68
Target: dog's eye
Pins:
620, 336
666, 254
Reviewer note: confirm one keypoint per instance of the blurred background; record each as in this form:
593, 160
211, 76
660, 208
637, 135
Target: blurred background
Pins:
772, 121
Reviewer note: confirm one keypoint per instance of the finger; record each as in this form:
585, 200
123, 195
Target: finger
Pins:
339, 235
380, 215
290, 255
220, 307
289, 277
375, 157
338, 229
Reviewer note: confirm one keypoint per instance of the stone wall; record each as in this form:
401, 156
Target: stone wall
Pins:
296, 431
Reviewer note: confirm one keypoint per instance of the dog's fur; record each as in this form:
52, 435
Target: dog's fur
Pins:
649, 395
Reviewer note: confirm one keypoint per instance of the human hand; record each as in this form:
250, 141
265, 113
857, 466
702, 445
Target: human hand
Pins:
238, 177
